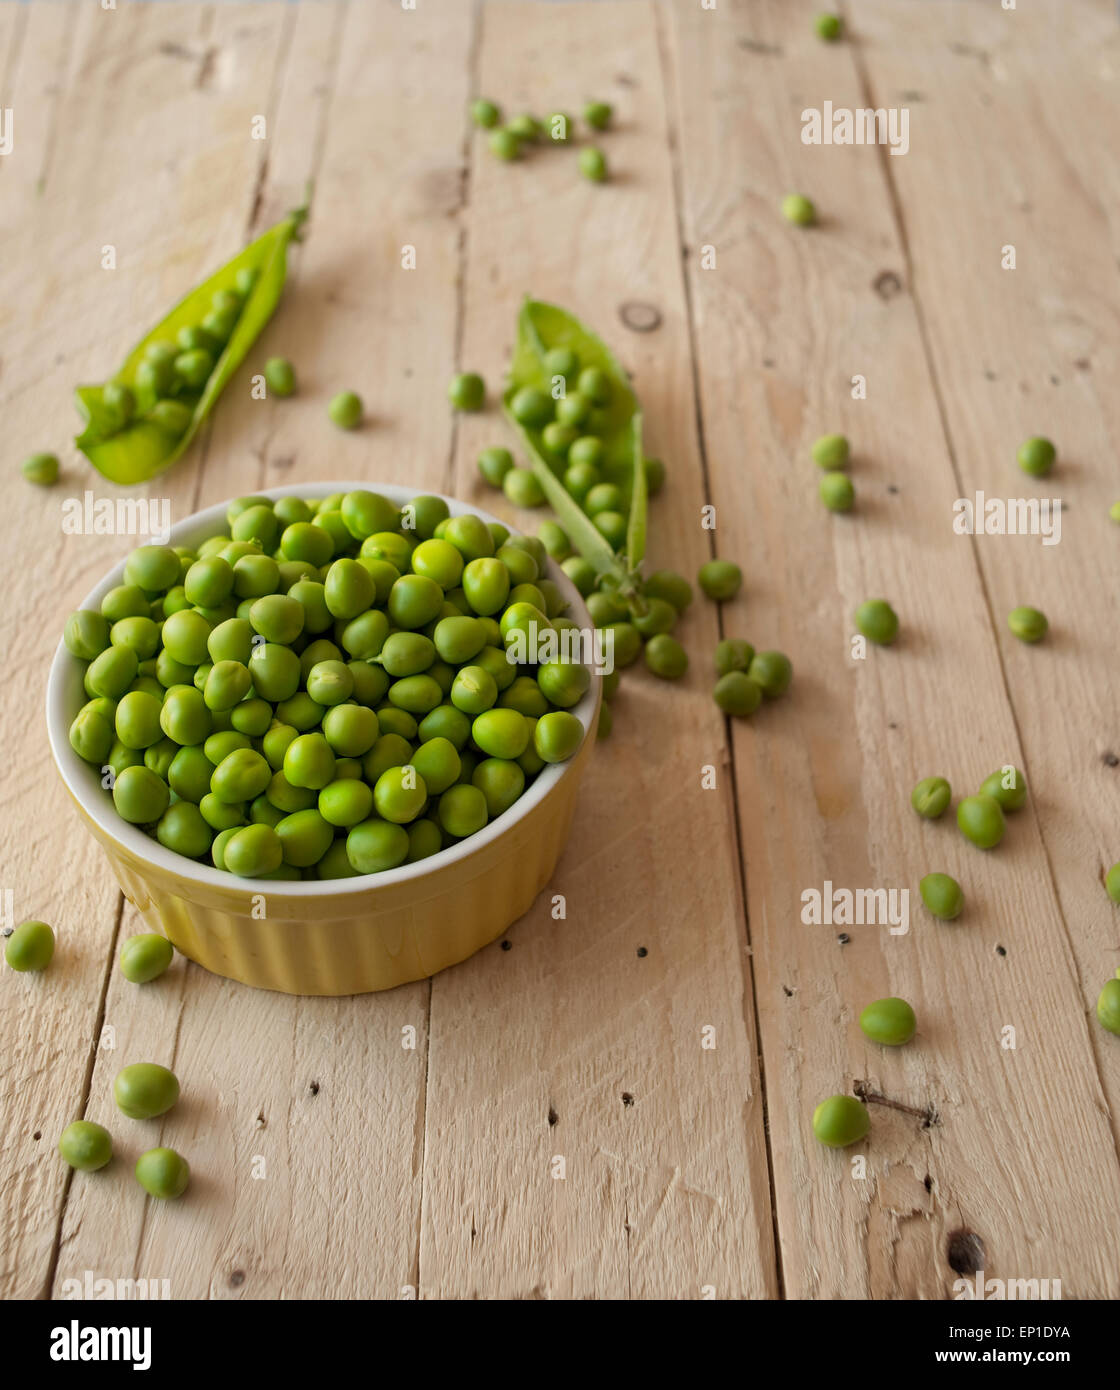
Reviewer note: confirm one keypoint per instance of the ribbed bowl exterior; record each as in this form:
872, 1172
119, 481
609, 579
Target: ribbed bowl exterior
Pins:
373, 938
325, 938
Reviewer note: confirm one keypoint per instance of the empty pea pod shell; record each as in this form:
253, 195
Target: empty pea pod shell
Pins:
139, 448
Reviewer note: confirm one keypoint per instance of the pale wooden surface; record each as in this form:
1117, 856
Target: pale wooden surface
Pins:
390, 1170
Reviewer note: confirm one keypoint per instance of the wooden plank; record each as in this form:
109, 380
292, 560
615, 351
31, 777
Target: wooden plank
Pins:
1043, 180
324, 1091
583, 1040
782, 325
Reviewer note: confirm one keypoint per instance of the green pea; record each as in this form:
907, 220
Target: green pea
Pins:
828, 27
556, 737
484, 113
501, 733
140, 796
194, 367
163, 1173
1028, 624
737, 694
613, 527
112, 671
145, 957
606, 722
346, 410
1037, 456
221, 815
494, 464
365, 636
86, 634
252, 851
125, 601
505, 144
252, 717
91, 736
303, 540
141, 634
720, 579
593, 163
980, 819
522, 488
227, 684
305, 836
395, 548
275, 671
152, 567
581, 572
1114, 512
877, 621
424, 839
525, 696
467, 390
564, 683
144, 1090
733, 654
772, 672
242, 775
120, 401
258, 526
462, 810
836, 492
30, 946
309, 762
345, 802
183, 828
184, 715
889, 1021
672, 587
86, 1146
445, 721
280, 376
798, 209
376, 845
330, 683
831, 452
555, 540
1112, 882
840, 1121
185, 634
665, 657
418, 695
598, 114
942, 895
561, 362
438, 765
1008, 786
532, 407
1108, 1006
486, 583
458, 639
627, 642
189, 774
931, 797
426, 513
526, 128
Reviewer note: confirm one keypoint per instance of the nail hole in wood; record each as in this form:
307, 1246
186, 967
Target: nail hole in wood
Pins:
37, 1135
787, 991
843, 938
965, 1252
892, 489
928, 1184
886, 284
552, 1117
507, 945
627, 1099
314, 1088
642, 952
1110, 759
237, 1278
1001, 950
639, 317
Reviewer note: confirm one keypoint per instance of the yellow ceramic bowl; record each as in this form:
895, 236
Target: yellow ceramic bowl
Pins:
343, 936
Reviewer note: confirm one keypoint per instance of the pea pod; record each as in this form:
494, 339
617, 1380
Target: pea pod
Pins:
131, 448
541, 328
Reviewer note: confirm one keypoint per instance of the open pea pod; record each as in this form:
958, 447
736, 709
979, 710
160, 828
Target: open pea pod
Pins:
134, 448
540, 328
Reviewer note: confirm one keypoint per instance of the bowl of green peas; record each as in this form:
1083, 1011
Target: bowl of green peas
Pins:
310, 736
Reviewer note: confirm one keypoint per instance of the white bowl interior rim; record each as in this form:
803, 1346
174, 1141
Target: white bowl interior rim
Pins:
84, 784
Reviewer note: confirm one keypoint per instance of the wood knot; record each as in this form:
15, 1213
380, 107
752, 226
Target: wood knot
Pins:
887, 284
639, 317
965, 1251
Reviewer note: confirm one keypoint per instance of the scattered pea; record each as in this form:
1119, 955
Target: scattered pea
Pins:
889, 1021
484, 113
1037, 456
30, 946
86, 1146
144, 1090
831, 452
1112, 882
877, 621
1108, 1006
798, 209
163, 1173
597, 114
1028, 624
280, 376
146, 956
943, 896
840, 1121
736, 694
505, 144
593, 163
1008, 786
980, 819
772, 672
346, 410
828, 27
837, 492
467, 391
665, 657
931, 797
720, 579
41, 469
733, 654
494, 464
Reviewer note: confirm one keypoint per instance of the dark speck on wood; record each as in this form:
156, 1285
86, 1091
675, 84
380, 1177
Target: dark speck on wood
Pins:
767, 50
1110, 759
887, 284
641, 318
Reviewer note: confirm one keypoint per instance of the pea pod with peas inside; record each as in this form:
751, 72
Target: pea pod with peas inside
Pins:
141, 420
563, 375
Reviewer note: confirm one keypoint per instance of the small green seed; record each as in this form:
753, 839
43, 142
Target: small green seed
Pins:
931, 797
346, 410
30, 946
86, 1146
840, 1121
665, 657
889, 1021
943, 895
163, 1173
144, 1090
494, 464
720, 579
1112, 882
280, 376
1008, 786
836, 492
828, 27
733, 654
467, 391
980, 819
41, 469
798, 209
737, 695
485, 114
878, 621
1037, 456
146, 956
1108, 1006
593, 164
1028, 624
831, 452
505, 144
772, 672
598, 114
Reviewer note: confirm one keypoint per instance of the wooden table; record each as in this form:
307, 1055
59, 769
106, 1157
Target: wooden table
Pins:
669, 1037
